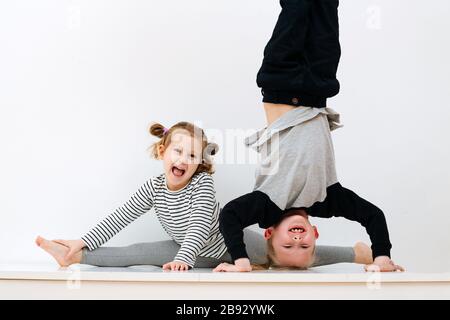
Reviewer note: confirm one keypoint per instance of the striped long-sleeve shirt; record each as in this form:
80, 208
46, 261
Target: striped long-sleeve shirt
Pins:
189, 215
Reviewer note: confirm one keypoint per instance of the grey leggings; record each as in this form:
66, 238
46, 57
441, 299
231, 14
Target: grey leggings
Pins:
160, 252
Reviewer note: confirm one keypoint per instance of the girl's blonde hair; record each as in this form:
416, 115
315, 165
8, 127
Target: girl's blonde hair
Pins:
209, 149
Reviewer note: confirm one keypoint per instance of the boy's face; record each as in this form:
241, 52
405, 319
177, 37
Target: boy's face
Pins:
293, 240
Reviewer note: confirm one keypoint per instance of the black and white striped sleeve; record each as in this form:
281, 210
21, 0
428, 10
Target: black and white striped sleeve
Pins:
139, 203
204, 206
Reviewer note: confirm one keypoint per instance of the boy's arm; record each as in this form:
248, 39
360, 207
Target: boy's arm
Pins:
251, 208
341, 202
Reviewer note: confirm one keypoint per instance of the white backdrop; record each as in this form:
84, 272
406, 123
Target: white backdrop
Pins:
81, 80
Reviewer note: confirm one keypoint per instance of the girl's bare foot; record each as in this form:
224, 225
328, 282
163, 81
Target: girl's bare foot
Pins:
363, 253
58, 252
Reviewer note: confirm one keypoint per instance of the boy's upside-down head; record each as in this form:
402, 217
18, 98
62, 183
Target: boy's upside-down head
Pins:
292, 241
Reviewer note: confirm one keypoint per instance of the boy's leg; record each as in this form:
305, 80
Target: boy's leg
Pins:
301, 58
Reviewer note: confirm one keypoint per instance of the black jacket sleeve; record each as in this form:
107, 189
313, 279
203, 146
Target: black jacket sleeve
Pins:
251, 208
342, 202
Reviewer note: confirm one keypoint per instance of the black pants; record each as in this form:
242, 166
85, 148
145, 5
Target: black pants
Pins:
301, 58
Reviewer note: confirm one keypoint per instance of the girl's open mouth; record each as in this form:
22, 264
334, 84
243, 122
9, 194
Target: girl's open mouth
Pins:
177, 172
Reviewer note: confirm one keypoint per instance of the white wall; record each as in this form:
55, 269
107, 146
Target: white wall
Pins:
81, 80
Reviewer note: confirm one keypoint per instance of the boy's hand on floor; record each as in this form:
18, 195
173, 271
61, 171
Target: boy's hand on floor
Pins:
176, 266
73, 245
383, 264
240, 265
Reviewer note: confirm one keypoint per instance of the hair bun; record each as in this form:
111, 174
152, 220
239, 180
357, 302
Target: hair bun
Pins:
211, 149
157, 129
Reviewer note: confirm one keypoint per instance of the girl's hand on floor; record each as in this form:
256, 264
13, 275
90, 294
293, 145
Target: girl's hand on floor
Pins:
383, 264
240, 265
176, 266
73, 245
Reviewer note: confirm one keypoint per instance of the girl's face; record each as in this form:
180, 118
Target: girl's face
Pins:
181, 159
293, 240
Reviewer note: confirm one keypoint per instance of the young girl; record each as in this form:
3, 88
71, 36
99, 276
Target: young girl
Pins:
185, 204
297, 176
183, 198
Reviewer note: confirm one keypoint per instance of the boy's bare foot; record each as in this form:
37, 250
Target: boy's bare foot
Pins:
363, 253
58, 252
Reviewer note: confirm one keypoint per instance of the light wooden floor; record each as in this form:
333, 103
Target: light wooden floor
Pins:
343, 281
